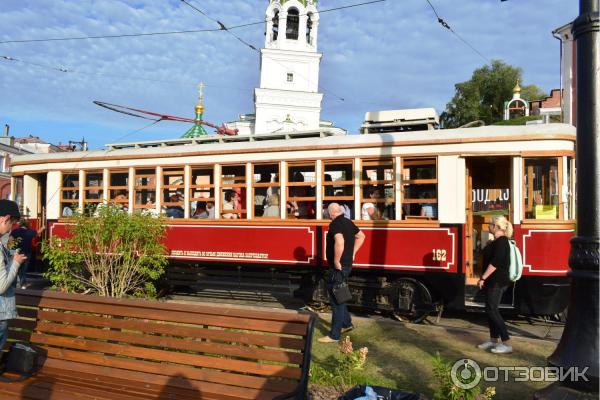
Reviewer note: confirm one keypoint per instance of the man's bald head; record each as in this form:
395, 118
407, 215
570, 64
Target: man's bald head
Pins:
334, 210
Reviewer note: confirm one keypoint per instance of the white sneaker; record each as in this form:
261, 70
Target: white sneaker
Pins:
487, 345
501, 348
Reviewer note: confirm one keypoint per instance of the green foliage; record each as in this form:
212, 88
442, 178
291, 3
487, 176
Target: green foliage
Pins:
345, 369
483, 96
519, 120
447, 390
112, 254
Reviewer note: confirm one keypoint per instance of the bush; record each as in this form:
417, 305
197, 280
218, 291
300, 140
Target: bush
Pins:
447, 390
345, 369
111, 254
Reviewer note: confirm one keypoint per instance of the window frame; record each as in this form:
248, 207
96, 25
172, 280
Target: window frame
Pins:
560, 182
419, 161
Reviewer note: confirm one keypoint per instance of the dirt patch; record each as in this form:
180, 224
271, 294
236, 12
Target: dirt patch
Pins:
320, 392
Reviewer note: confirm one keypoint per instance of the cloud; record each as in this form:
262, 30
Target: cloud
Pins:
382, 56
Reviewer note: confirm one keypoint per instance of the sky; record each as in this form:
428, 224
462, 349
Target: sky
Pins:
387, 55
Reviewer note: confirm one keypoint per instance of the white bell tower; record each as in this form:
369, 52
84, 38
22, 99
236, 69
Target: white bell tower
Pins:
288, 97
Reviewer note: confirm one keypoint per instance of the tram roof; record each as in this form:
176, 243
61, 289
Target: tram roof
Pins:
320, 139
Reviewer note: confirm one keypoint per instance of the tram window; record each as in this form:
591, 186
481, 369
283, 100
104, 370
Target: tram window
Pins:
145, 189
338, 186
173, 185
69, 201
118, 188
378, 200
93, 187
202, 195
266, 191
542, 185
301, 200
419, 188
233, 191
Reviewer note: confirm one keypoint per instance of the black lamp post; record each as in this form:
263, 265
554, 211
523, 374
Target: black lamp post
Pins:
578, 346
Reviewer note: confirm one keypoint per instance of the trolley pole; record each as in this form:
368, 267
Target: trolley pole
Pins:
578, 346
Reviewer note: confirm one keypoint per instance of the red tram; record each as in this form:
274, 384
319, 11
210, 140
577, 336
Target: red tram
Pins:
239, 206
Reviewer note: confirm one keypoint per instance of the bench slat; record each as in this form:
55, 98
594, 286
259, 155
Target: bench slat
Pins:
172, 343
226, 336
168, 356
27, 312
162, 375
197, 317
31, 297
177, 388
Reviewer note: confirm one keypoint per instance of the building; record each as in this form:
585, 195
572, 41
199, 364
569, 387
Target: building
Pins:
287, 99
8, 148
516, 107
568, 72
33, 144
547, 107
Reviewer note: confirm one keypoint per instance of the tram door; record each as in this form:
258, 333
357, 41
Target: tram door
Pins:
488, 194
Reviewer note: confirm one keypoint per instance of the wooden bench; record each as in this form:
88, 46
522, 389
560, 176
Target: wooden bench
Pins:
103, 348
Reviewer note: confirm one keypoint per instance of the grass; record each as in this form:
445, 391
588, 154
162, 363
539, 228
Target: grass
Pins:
400, 356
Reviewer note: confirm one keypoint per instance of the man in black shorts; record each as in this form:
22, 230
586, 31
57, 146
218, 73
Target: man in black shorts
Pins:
343, 241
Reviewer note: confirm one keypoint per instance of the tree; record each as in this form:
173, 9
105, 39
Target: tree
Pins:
112, 254
483, 96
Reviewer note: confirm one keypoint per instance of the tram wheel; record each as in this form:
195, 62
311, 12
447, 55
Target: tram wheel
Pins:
412, 300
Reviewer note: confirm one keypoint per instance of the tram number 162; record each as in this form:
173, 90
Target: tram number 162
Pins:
439, 254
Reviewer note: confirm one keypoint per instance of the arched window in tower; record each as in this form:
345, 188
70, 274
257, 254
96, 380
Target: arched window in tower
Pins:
293, 22
275, 25
309, 25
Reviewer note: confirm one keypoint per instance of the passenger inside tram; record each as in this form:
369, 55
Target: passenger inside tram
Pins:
175, 210
272, 209
231, 199
260, 195
370, 211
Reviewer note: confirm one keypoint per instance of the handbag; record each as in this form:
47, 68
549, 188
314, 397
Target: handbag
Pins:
341, 292
20, 359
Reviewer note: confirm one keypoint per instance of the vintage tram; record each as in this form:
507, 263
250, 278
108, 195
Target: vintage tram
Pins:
248, 207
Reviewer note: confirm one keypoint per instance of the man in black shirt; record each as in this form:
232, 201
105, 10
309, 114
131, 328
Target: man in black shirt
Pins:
344, 239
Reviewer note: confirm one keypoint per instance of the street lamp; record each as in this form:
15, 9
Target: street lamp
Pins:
578, 346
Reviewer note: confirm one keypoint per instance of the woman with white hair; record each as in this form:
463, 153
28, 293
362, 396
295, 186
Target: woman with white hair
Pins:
494, 281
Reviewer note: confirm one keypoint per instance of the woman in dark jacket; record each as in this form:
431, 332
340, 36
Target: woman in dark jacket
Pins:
494, 281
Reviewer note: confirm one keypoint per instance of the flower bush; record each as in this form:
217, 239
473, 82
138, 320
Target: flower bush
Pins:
346, 369
448, 390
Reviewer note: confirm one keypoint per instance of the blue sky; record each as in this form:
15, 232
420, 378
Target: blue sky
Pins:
386, 55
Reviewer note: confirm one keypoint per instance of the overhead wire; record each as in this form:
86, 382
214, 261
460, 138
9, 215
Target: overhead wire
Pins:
129, 35
447, 26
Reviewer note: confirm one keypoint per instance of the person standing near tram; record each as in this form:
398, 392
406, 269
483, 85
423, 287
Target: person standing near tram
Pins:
494, 281
344, 239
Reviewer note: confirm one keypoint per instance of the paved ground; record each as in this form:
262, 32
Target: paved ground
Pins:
469, 320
